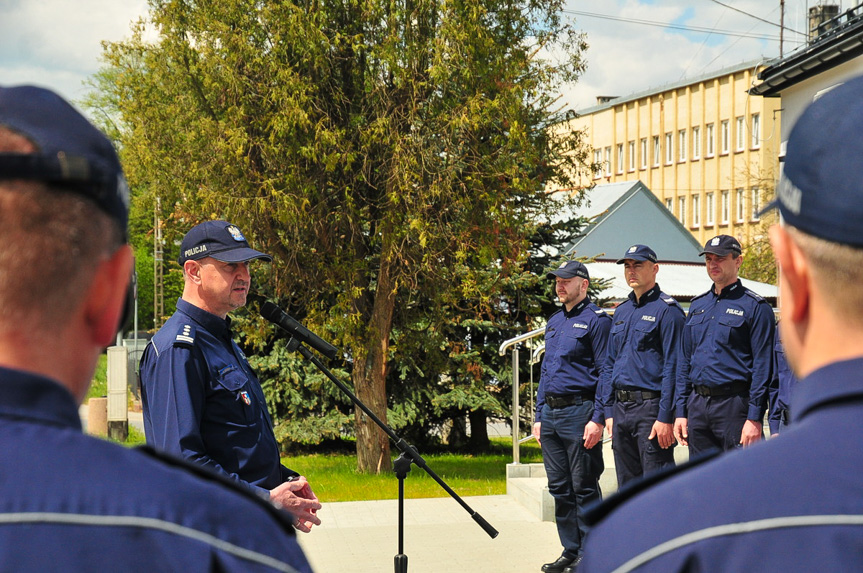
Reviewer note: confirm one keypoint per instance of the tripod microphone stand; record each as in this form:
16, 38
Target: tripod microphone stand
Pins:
401, 466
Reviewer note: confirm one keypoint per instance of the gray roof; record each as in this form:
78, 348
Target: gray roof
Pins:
682, 281
626, 213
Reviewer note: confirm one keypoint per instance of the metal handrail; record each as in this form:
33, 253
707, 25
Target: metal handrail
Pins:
513, 342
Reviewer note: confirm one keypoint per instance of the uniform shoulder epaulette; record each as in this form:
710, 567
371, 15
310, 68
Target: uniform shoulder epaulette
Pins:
185, 336
599, 511
668, 299
701, 295
283, 518
754, 295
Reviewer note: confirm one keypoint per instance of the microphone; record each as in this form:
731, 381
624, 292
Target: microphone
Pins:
280, 318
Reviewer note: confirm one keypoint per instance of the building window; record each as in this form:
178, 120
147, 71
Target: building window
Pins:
741, 134
607, 164
710, 218
597, 160
710, 142
656, 151
644, 153
681, 144
696, 143
696, 220
725, 137
620, 158
756, 131
725, 207
756, 203
631, 156
741, 204
669, 204
681, 210
669, 148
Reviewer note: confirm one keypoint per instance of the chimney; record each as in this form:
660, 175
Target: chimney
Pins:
820, 19
604, 99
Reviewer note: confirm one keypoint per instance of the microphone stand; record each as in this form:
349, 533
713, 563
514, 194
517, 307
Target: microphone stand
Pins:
402, 465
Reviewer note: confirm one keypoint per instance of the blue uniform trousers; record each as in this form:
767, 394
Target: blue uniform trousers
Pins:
634, 454
573, 471
716, 422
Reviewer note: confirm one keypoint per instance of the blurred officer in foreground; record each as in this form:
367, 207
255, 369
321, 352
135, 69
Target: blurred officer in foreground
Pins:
784, 380
725, 373
68, 501
794, 503
567, 425
639, 374
201, 399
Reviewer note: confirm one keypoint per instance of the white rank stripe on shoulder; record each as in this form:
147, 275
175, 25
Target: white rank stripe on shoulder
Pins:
184, 336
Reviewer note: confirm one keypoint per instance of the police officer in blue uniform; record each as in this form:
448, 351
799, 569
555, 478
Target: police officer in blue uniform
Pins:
201, 399
725, 372
784, 380
793, 503
68, 501
567, 425
639, 373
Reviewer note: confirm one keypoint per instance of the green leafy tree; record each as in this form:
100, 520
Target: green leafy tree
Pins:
386, 153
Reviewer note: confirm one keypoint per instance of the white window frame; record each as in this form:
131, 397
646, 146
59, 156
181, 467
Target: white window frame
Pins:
741, 134
669, 148
681, 145
681, 210
741, 204
620, 158
657, 152
710, 142
725, 208
710, 207
669, 204
632, 156
756, 131
755, 194
696, 143
696, 214
725, 137
607, 164
643, 153
597, 159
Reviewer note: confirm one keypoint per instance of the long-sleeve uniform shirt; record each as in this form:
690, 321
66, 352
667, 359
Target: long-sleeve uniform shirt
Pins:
644, 350
727, 338
575, 346
71, 502
203, 402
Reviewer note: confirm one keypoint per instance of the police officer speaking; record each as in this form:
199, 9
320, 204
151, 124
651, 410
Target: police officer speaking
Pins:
201, 399
638, 375
727, 359
568, 426
793, 503
68, 501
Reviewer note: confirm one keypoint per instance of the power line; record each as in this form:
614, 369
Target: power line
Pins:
753, 16
676, 26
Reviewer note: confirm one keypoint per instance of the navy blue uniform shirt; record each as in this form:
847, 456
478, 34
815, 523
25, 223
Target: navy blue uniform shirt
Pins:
727, 338
71, 502
644, 349
784, 380
794, 503
203, 402
575, 346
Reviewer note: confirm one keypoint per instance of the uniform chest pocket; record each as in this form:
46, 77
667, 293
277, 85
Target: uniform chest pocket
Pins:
645, 335
232, 397
730, 325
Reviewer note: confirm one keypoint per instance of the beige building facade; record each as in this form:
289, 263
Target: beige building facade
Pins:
705, 147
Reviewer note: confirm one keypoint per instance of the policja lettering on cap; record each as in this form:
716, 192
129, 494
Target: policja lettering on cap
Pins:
569, 269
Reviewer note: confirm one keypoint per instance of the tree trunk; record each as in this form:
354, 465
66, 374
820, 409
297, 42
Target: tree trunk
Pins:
369, 377
478, 430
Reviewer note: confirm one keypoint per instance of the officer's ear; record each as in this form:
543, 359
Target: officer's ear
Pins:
794, 276
192, 271
107, 295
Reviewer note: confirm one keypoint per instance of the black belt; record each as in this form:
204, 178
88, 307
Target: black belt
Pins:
785, 416
568, 400
635, 395
723, 390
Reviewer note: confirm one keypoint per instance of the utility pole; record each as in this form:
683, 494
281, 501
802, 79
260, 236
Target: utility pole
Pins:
158, 268
781, 25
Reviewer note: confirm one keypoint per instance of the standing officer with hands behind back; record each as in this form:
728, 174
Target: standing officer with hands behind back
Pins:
201, 399
639, 374
568, 426
727, 360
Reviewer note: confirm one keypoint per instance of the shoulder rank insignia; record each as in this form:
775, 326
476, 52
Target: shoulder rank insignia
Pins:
186, 336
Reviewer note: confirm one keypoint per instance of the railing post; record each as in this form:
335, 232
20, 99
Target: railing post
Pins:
515, 406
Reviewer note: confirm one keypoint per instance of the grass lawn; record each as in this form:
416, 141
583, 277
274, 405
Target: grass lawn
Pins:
334, 476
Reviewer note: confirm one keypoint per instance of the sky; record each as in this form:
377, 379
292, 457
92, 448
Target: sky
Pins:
57, 43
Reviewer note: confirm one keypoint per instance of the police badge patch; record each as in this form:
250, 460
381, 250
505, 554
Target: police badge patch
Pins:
246, 398
235, 233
